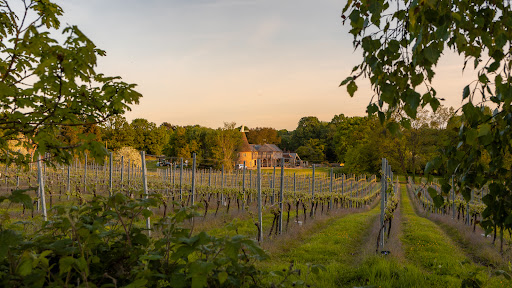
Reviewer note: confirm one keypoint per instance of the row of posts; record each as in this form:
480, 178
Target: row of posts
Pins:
146, 192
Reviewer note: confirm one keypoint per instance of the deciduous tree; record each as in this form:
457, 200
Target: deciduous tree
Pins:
402, 42
263, 135
47, 84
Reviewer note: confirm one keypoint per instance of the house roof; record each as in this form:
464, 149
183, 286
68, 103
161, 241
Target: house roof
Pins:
246, 147
266, 148
291, 156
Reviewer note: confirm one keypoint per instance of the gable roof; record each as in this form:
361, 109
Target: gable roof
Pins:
265, 148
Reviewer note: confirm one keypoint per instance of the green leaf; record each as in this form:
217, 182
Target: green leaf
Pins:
438, 201
393, 127
350, 78
198, 272
81, 264
432, 53
394, 46
277, 273
434, 103
484, 130
494, 66
432, 192
416, 79
25, 268
382, 116
413, 98
465, 92
147, 213
456, 16
412, 102
471, 136
351, 88
8, 238
388, 93
372, 108
19, 196
431, 165
406, 123
483, 78
223, 276
66, 264
139, 283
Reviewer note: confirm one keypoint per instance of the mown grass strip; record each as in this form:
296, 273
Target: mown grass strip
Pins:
432, 260
335, 247
426, 246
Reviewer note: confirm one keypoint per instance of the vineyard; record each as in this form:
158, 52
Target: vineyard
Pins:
229, 193
44, 197
74, 215
337, 228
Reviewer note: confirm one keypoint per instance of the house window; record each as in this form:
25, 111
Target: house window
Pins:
244, 154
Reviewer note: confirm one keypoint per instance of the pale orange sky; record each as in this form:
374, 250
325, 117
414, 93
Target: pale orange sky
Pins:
254, 62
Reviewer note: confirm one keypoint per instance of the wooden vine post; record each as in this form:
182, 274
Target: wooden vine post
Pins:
128, 174
382, 200
313, 192
40, 177
273, 186
110, 167
85, 175
210, 177
181, 179
260, 216
281, 198
193, 179
222, 185
330, 189
68, 187
453, 200
243, 187
294, 184
122, 171
145, 186
6, 169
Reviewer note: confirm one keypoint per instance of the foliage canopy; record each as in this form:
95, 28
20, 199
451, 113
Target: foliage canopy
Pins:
46, 84
402, 42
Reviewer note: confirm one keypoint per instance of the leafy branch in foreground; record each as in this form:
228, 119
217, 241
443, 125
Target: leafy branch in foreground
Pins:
402, 42
46, 85
104, 244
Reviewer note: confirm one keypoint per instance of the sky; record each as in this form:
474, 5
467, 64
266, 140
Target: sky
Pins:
258, 63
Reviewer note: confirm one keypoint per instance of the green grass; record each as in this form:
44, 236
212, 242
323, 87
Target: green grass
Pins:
335, 247
426, 246
299, 171
431, 259
377, 271
246, 226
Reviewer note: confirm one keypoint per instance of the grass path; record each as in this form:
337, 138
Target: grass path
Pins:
430, 258
442, 261
476, 247
335, 247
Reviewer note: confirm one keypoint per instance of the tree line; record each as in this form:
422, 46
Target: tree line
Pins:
357, 142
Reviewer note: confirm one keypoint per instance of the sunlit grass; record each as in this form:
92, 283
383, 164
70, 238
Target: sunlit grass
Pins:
333, 247
426, 246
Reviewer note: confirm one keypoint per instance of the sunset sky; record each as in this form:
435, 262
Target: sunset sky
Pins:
258, 63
